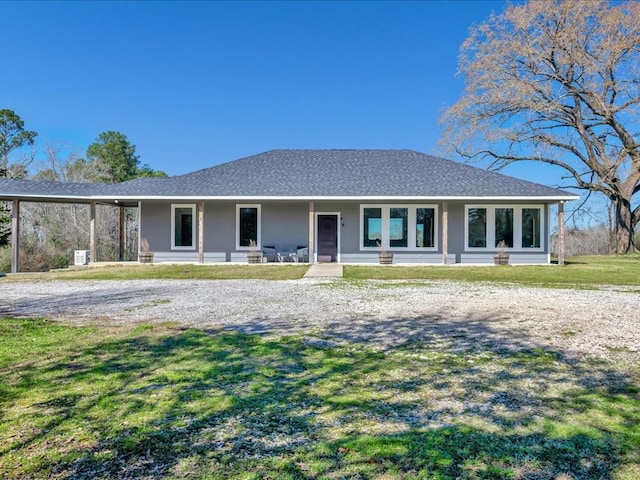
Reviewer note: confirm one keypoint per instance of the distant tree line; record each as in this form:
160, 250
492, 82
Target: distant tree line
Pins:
50, 232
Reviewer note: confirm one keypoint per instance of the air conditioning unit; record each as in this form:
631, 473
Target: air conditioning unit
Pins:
81, 257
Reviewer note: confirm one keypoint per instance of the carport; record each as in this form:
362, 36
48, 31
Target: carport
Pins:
20, 191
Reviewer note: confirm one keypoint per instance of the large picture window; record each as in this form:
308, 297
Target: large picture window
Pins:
183, 227
247, 226
504, 227
425, 231
530, 228
519, 227
398, 229
477, 227
404, 227
372, 224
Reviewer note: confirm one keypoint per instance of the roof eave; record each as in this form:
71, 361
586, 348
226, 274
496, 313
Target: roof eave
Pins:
133, 199
82, 199
548, 198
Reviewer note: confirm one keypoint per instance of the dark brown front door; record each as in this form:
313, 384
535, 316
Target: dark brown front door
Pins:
327, 238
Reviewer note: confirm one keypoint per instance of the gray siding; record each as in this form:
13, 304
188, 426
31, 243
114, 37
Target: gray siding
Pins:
514, 258
285, 225
456, 229
155, 225
219, 226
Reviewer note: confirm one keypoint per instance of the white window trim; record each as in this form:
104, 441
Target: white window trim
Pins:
517, 227
411, 227
174, 206
259, 239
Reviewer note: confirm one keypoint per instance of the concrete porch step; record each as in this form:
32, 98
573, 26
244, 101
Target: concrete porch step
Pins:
324, 270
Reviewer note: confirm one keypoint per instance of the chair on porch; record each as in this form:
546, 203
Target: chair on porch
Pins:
302, 253
269, 253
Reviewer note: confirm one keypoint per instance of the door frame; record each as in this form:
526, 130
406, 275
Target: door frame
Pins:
338, 225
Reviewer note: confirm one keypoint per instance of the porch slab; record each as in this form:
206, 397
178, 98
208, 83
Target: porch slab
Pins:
324, 270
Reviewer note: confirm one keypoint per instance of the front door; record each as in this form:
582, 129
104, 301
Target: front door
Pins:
327, 238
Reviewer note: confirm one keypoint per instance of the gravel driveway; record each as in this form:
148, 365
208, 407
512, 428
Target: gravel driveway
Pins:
602, 323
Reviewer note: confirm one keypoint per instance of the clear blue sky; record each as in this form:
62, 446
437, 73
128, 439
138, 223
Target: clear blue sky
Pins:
193, 84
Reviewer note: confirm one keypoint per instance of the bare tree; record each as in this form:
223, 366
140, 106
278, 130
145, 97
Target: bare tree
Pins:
557, 82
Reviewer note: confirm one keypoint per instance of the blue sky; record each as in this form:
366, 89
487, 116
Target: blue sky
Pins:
193, 84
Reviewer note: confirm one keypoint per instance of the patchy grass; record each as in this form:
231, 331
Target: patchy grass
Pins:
584, 272
166, 271
579, 272
163, 402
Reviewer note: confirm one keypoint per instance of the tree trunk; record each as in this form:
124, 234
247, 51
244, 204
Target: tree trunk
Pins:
624, 227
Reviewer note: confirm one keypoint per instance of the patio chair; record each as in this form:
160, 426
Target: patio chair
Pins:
302, 253
269, 253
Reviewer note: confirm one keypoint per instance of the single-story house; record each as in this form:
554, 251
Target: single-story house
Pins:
336, 205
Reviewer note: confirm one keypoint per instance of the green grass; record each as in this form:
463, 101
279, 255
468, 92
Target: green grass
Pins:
578, 271
583, 272
163, 402
177, 272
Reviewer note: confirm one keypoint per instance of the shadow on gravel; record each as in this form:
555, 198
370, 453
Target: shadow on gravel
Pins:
431, 400
76, 301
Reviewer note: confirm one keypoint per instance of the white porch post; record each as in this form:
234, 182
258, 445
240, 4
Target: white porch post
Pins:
121, 234
15, 236
445, 231
561, 233
201, 232
139, 227
92, 232
312, 228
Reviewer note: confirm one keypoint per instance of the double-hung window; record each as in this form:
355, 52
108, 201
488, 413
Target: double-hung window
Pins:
248, 226
520, 227
183, 227
398, 227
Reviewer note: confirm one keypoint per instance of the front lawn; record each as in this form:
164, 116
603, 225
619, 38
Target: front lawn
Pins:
578, 271
164, 402
185, 271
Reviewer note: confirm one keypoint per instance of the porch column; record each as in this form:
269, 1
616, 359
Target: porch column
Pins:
121, 233
201, 232
139, 226
561, 233
15, 236
92, 232
312, 228
445, 231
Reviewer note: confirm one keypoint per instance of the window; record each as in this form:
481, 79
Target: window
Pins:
372, 226
477, 227
520, 227
248, 226
183, 227
504, 226
424, 227
398, 227
530, 228
409, 227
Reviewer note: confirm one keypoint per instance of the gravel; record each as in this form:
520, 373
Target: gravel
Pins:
599, 323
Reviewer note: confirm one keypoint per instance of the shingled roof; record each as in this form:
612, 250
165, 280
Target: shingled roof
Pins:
45, 189
315, 174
